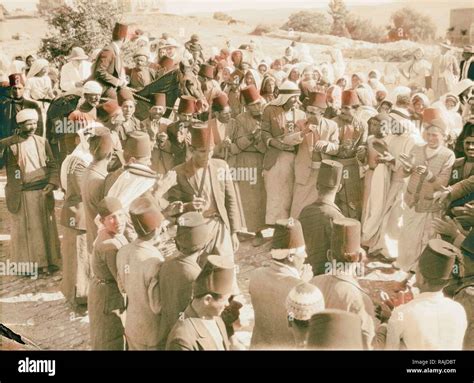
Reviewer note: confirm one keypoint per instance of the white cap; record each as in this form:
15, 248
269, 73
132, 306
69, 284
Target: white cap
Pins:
25, 115
303, 301
92, 87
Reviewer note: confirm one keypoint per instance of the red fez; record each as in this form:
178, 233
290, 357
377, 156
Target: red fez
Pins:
145, 216
220, 102
123, 95
16, 79
77, 115
159, 99
202, 137
108, 206
350, 98
250, 94
207, 71
287, 239
317, 99
108, 109
430, 114
101, 143
120, 32
345, 240
187, 104
216, 277
166, 63
138, 145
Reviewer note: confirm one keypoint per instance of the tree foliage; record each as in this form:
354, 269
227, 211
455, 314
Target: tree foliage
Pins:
418, 26
87, 24
308, 21
339, 13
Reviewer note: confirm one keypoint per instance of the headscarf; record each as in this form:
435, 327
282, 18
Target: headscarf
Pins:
451, 116
37, 67
256, 76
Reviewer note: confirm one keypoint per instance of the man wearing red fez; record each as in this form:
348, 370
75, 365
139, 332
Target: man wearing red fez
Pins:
138, 264
339, 282
105, 302
210, 87
10, 106
321, 141
179, 131
201, 328
270, 285
205, 184
248, 150
156, 126
222, 125
101, 146
109, 70
232, 89
352, 139
29, 198
136, 178
282, 136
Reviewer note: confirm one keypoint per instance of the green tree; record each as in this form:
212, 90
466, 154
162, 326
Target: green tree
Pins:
339, 13
307, 21
416, 25
87, 24
363, 29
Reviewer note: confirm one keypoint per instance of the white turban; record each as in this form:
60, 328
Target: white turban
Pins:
25, 115
92, 87
286, 90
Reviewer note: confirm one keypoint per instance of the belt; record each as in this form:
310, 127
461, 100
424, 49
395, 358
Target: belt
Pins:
104, 281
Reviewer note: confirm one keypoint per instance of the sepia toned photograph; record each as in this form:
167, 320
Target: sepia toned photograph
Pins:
224, 175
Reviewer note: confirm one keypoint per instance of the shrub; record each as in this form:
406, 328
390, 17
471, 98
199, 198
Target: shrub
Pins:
417, 26
261, 29
87, 24
363, 29
307, 21
221, 16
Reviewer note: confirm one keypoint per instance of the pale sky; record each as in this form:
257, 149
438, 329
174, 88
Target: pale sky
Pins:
185, 6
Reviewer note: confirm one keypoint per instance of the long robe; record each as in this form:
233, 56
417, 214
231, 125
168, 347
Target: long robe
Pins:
247, 160
308, 162
76, 258
376, 187
105, 299
34, 235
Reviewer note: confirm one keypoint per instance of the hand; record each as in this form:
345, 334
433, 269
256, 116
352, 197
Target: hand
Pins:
443, 195
235, 242
227, 142
306, 273
385, 158
181, 136
421, 169
173, 209
446, 226
48, 189
320, 145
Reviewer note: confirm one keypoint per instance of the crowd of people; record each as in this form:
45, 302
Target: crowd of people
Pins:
332, 168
